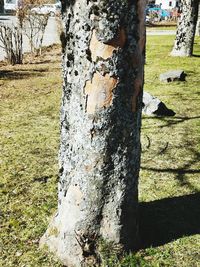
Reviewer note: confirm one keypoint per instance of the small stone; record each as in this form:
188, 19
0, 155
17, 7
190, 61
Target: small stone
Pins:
173, 75
153, 106
18, 254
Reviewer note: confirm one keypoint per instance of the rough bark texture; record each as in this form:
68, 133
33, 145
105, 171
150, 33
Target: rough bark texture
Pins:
186, 25
103, 59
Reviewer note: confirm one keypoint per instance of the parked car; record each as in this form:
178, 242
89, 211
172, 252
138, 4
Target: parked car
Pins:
52, 9
161, 13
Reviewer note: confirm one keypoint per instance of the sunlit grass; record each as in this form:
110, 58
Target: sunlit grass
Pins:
29, 148
29, 129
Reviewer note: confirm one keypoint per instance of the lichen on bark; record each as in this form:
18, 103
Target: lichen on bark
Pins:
103, 59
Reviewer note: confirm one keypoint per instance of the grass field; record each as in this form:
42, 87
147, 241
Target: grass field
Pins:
169, 189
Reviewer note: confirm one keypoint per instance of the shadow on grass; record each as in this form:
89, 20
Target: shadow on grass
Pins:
43, 179
150, 25
165, 220
180, 174
21, 74
45, 61
171, 121
182, 171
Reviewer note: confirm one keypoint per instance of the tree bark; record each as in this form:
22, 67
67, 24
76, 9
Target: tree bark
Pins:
1, 6
186, 25
103, 59
198, 22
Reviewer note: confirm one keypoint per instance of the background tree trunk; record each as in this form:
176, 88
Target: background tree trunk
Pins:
1, 6
186, 25
198, 22
103, 58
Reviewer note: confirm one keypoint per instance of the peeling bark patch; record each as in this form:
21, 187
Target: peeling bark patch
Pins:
99, 92
105, 51
99, 49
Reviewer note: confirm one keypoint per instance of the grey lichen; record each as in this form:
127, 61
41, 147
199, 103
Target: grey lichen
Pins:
110, 16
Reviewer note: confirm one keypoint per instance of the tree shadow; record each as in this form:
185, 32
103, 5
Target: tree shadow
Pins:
170, 120
21, 74
43, 179
162, 221
3, 18
45, 61
150, 25
181, 172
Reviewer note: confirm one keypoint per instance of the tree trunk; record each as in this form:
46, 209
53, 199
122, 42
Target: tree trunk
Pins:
1, 6
103, 59
186, 25
198, 22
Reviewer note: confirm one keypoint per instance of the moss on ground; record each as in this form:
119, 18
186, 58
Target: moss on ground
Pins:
169, 185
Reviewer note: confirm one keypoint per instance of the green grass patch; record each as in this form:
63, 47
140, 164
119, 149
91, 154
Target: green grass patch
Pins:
169, 184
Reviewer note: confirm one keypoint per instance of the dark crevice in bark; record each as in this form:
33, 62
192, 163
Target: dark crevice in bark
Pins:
65, 4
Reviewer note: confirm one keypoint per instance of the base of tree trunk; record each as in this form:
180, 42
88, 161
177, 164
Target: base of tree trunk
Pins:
76, 250
180, 53
66, 250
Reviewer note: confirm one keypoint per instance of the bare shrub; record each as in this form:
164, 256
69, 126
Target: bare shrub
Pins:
34, 26
11, 42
